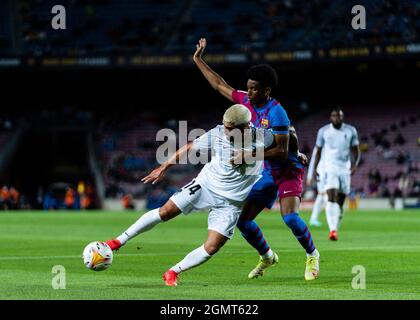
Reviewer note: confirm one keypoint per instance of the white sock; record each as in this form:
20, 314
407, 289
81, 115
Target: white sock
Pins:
191, 260
332, 211
337, 212
268, 254
313, 254
144, 223
316, 210
340, 217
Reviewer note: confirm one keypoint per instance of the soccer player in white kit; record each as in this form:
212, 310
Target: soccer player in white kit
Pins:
338, 145
221, 187
321, 197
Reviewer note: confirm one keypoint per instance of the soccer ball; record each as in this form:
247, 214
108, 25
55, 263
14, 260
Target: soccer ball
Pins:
97, 256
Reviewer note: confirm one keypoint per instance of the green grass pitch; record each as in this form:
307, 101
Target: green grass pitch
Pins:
385, 243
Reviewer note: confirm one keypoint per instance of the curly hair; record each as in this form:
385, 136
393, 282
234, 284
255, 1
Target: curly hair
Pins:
264, 74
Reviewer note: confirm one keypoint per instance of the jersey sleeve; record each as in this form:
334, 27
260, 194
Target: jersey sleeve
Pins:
320, 138
279, 120
239, 96
354, 138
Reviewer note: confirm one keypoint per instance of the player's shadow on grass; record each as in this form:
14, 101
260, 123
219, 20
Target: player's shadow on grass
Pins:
139, 285
320, 281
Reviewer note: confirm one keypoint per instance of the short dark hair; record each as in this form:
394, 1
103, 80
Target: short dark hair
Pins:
336, 109
264, 74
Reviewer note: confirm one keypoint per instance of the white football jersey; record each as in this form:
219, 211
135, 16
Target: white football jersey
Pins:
233, 182
336, 144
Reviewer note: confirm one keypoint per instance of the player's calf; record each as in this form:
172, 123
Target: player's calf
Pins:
146, 222
254, 236
302, 234
169, 211
196, 257
300, 231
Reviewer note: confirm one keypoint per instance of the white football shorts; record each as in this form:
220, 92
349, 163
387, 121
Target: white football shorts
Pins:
223, 213
339, 181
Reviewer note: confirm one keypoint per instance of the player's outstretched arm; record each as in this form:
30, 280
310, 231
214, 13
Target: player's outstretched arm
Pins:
310, 179
319, 145
294, 146
355, 150
280, 150
216, 81
317, 159
158, 174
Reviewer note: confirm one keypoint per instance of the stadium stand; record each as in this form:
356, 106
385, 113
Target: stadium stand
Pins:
165, 26
98, 26
5, 29
248, 25
129, 154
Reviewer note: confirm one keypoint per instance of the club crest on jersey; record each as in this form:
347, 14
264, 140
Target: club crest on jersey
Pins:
264, 123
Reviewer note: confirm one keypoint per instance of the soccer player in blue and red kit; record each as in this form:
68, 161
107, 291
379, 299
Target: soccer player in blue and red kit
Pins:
282, 178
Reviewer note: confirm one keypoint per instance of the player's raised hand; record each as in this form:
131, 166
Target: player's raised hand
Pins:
202, 43
303, 159
155, 176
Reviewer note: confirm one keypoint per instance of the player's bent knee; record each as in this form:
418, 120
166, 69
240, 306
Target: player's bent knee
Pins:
168, 211
332, 195
289, 205
251, 210
244, 226
214, 242
212, 248
341, 199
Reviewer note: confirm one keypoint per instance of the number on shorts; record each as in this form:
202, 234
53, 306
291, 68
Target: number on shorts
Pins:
193, 188
189, 184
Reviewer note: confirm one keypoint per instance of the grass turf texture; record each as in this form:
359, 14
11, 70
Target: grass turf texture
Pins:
386, 243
